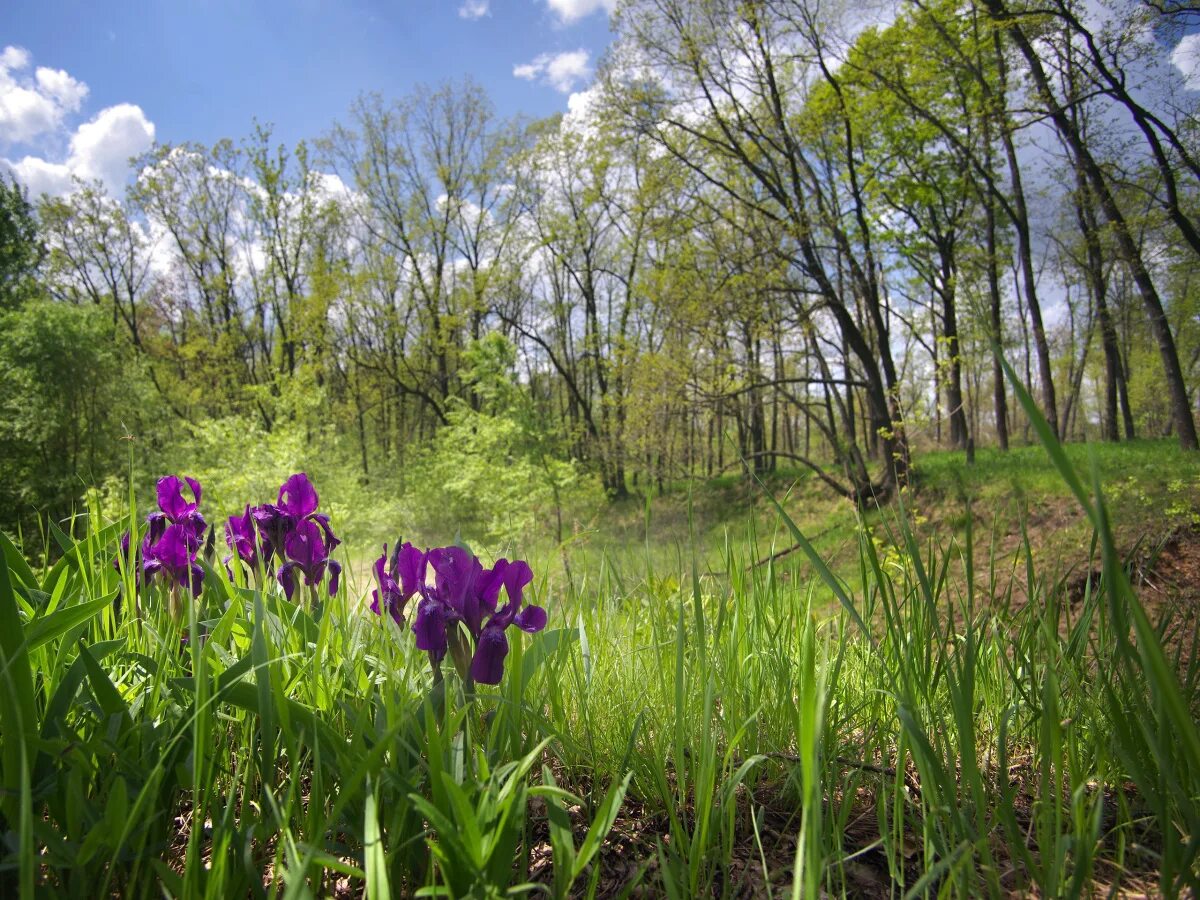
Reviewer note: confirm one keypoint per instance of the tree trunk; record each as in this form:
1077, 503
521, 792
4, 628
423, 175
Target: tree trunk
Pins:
999, 401
1020, 220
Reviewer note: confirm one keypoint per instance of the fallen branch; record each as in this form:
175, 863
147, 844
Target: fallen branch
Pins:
789, 550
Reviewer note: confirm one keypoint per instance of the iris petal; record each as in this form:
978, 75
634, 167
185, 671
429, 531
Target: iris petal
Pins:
297, 496
195, 486
410, 568
456, 573
170, 497
531, 619
239, 535
305, 546
331, 540
287, 579
517, 577
493, 581
430, 628
487, 666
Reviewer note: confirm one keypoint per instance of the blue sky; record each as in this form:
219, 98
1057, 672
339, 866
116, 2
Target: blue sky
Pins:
204, 69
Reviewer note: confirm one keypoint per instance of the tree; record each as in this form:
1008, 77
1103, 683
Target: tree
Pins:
21, 249
67, 397
1068, 129
586, 204
729, 93
431, 221
918, 179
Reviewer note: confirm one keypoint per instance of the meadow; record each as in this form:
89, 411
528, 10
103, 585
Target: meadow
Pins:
940, 716
604, 472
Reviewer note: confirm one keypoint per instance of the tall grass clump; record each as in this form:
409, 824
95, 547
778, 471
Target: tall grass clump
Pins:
959, 724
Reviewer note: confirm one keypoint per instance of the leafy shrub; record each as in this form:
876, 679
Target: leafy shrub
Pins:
67, 398
493, 469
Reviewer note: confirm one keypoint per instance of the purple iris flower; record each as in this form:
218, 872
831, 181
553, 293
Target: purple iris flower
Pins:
173, 536
297, 503
307, 553
463, 591
173, 557
456, 575
177, 509
397, 580
241, 537
491, 646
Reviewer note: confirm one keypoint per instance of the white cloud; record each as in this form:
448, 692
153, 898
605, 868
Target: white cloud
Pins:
100, 150
34, 107
474, 9
572, 10
68, 92
561, 71
25, 114
582, 109
1186, 58
328, 185
14, 58
39, 176
102, 147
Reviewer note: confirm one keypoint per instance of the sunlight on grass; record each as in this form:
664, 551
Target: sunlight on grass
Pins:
703, 732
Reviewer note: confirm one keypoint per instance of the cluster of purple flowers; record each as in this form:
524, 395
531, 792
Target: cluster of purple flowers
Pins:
173, 538
288, 537
461, 602
458, 609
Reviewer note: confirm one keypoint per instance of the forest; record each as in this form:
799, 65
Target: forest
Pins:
747, 352
761, 239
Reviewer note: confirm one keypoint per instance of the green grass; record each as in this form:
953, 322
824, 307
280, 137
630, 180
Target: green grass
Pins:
690, 724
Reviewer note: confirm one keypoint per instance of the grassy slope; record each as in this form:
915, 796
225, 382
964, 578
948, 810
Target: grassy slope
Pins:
1151, 487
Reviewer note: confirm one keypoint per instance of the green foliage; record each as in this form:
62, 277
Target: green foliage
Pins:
494, 469
1148, 395
21, 250
960, 723
478, 827
67, 398
366, 507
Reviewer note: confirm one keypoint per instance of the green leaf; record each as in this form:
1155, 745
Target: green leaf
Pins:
80, 550
304, 720
18, 714
60, 537
1046, 434
541, 649
374, 857
469, 833
68, 687
562, 841
817, 563
17, 565
602, 823
47, 628
106, 693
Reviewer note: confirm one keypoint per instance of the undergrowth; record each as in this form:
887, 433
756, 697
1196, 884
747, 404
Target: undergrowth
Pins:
763, 729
